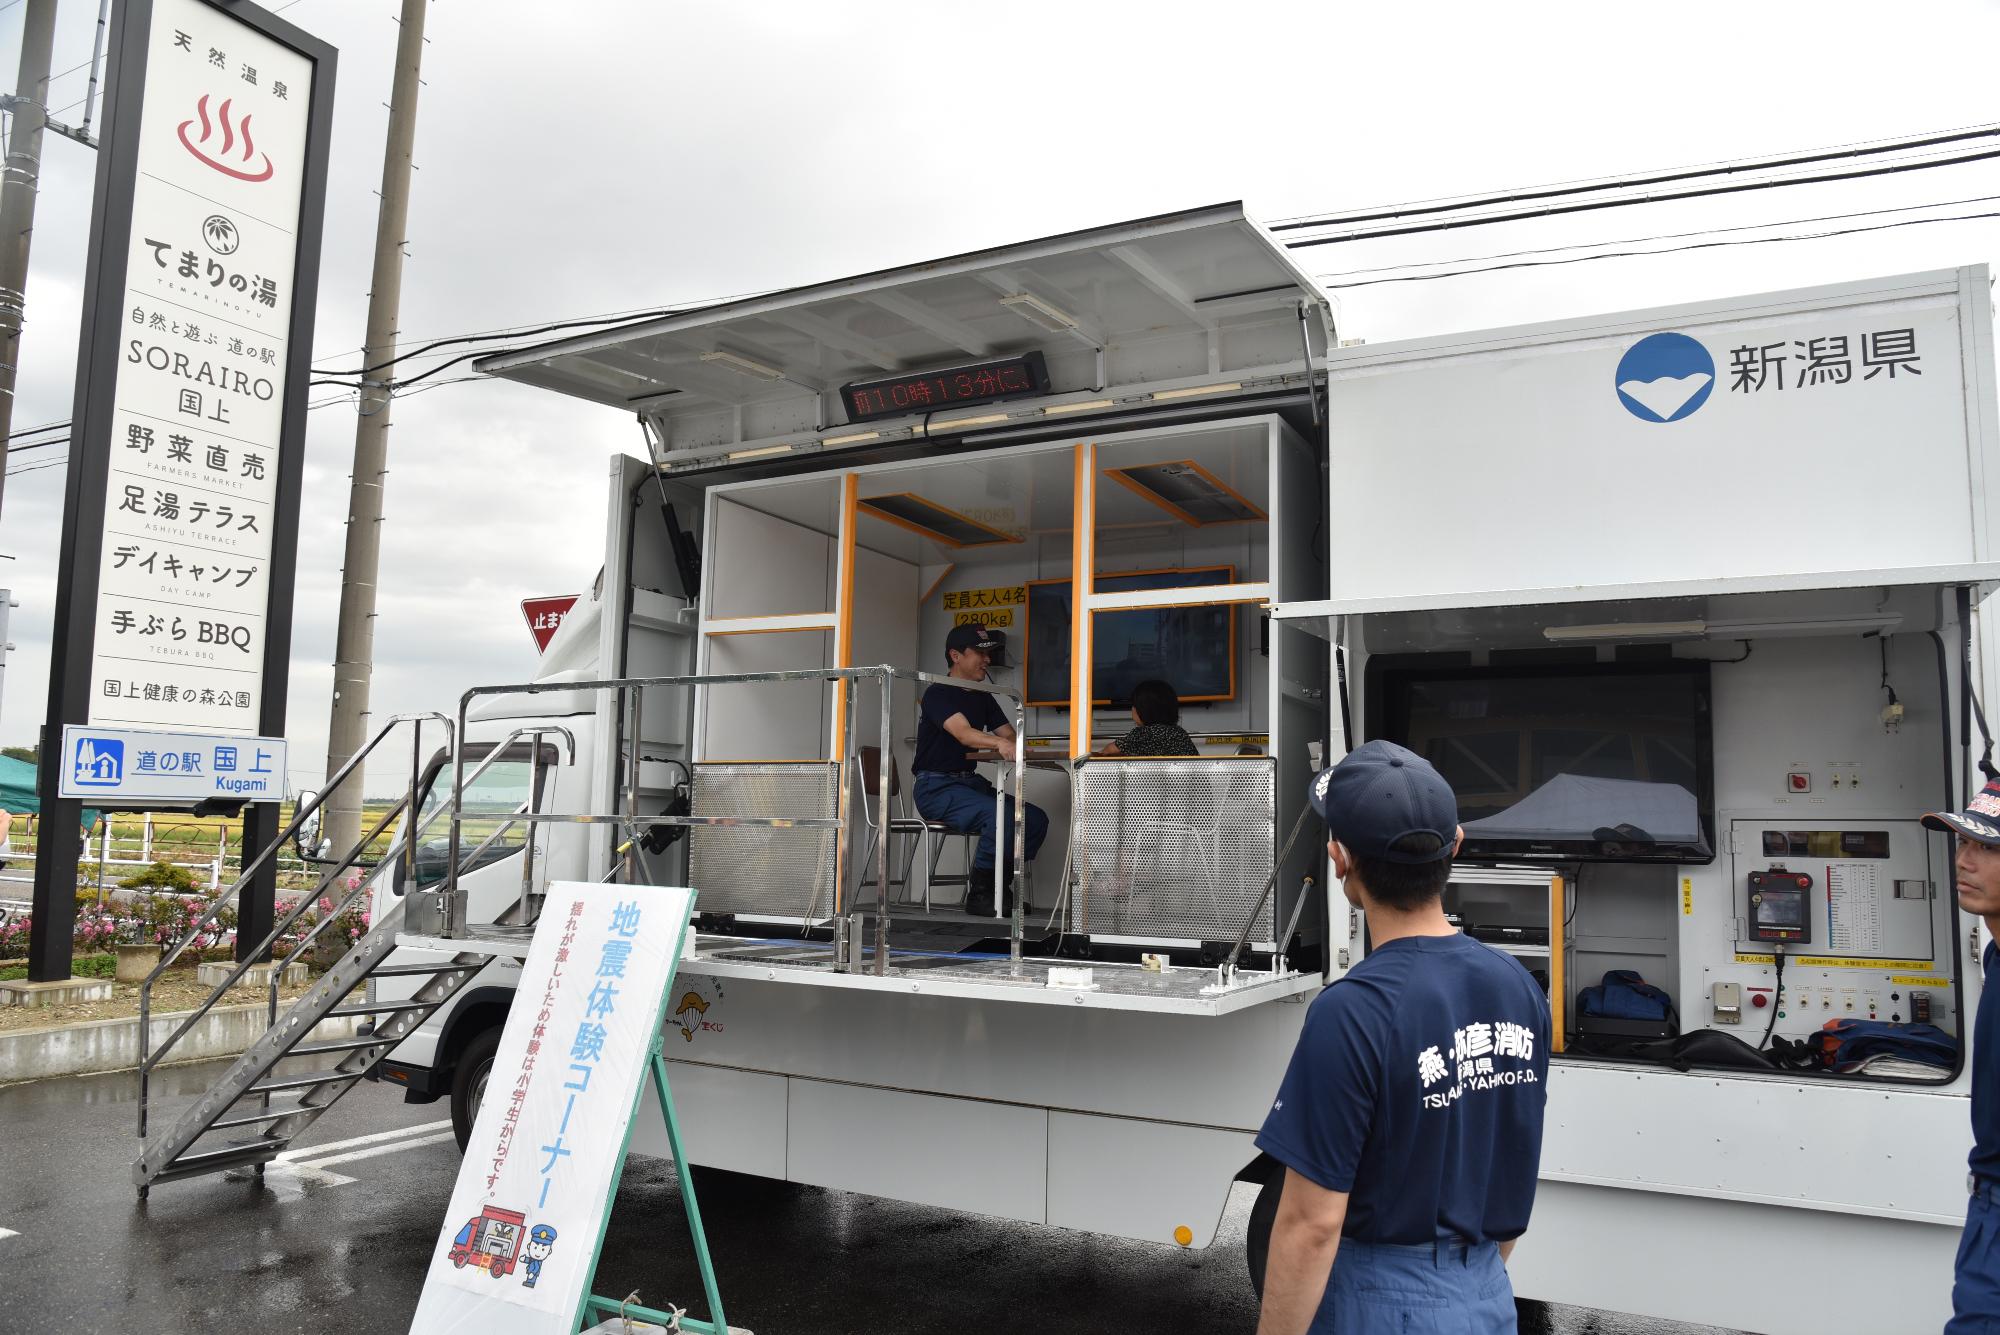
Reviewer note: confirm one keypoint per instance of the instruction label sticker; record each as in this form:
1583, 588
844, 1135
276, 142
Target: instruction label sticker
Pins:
1835, 962
1919, 980
1687, 896
993, 608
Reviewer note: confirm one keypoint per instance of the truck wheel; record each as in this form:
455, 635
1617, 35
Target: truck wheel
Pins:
1257, 1237
468, 1082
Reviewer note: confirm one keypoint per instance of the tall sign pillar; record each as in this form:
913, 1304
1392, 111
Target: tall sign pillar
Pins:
180, 528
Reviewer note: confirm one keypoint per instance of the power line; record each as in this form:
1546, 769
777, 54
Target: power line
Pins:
310, 407
1447, 204
630, 317
1663, 236
1740, 187
1670, 250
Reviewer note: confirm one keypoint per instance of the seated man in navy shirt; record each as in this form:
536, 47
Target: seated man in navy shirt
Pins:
1410, 1120
952, 723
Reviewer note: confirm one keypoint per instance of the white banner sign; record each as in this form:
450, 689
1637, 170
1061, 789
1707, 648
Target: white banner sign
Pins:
518, 1244
197, 406
121, 766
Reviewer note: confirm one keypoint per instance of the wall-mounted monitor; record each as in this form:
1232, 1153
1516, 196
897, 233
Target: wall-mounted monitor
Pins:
1191, 648
1592, 762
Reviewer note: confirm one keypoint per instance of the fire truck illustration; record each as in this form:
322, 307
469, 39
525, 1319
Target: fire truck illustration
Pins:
491, 1240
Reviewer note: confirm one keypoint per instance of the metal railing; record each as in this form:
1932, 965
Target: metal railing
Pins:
450, 912
149, 1057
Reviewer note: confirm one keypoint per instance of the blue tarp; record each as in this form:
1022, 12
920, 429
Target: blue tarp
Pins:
17, 790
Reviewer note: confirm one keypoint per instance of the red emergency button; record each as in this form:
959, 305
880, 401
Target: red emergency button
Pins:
1798, 781
1759, 999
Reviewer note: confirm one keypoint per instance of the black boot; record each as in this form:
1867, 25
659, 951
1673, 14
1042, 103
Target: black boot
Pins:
979, 900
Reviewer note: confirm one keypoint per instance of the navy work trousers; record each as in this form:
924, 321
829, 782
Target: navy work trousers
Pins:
1975, 1292
1444, 1288
964, 802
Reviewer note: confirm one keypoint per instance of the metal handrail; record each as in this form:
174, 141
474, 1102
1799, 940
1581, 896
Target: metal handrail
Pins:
885, 673
289, 832
149, 1060
148, 1056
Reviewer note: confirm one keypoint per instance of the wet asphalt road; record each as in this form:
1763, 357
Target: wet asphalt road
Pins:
336, 1240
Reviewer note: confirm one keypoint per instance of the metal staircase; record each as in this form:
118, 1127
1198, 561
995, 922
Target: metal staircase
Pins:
268, 1109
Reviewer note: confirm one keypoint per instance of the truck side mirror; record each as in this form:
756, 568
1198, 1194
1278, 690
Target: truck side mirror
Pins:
305, 839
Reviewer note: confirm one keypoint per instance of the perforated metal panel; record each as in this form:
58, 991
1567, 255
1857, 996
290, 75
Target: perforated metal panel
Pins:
1174, 848
758, 869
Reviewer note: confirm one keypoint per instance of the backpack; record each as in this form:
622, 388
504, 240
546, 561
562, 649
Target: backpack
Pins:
1624, 995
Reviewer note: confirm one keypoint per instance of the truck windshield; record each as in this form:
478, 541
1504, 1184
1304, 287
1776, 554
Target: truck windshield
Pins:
490, 801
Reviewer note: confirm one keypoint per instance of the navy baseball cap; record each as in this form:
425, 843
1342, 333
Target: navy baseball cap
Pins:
1381, 792
1979, 822
971, 637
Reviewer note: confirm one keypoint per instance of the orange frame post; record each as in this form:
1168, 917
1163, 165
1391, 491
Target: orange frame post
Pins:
1083, 545
843, 654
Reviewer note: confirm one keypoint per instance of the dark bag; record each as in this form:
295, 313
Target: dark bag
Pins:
1624, 995
1703, 1047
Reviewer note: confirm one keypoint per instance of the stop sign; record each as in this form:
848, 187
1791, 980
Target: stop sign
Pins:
544, 615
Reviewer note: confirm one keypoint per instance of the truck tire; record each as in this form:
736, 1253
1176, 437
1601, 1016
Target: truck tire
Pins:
468, 1082
1257, 1236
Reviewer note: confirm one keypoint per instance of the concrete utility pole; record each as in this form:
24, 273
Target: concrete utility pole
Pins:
18, 184
354, 650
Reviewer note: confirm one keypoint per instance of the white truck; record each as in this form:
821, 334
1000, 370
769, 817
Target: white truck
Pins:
1685, 602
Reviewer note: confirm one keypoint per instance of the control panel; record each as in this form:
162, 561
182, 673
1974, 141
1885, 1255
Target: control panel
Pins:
1779, 909
1855, 907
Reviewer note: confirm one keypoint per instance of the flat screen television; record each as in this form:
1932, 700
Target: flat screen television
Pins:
1191, 648
1604, 762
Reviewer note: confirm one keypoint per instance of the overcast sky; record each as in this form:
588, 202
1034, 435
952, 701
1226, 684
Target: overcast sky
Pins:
595, 157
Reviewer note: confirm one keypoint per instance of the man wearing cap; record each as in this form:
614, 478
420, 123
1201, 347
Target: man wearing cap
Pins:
1409, 1123
953, 722
1975, 1290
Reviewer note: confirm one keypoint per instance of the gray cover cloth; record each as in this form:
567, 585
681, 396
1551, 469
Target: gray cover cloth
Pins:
1573, 806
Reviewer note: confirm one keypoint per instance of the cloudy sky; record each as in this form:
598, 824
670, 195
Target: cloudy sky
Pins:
596, 157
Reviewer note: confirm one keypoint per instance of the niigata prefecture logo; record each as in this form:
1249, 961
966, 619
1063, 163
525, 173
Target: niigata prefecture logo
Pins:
1665, 377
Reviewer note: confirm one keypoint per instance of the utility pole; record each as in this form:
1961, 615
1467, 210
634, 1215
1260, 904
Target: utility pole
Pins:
19, 182
354, 649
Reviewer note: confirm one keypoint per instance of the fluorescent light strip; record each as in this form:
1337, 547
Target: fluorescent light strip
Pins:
1163, 394
743, 365
1092, 406
1036, 311
854, 439
760, 453
935, 427
1629, 630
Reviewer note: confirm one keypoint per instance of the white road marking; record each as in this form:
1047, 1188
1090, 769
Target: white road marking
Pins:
293, 1172
314, 1151
8, 1233
373, 1151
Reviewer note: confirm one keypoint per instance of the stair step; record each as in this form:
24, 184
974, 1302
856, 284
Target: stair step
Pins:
229, 1156
270, 1115
381, 1008
299, 1082
344, 1045
411, 970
